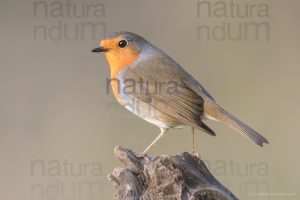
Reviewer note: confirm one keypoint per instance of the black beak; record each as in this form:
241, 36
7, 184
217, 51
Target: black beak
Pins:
99, 49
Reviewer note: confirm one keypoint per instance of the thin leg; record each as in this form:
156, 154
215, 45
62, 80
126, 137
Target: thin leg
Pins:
193, 140
163, 131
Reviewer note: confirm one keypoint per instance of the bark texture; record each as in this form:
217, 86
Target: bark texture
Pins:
165, 177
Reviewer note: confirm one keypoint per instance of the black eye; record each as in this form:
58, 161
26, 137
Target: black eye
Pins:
122, 43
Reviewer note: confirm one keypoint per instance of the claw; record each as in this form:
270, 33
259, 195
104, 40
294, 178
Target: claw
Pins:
143, 156
196, 154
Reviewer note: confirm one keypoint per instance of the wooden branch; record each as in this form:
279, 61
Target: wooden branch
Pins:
165, 177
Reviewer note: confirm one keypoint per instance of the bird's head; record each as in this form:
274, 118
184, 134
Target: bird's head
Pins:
121, 49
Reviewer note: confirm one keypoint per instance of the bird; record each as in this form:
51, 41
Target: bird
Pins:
153, 86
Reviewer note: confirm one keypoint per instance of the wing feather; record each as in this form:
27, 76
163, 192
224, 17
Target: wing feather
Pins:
155, 77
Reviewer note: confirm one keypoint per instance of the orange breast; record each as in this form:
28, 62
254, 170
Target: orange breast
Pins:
118, 60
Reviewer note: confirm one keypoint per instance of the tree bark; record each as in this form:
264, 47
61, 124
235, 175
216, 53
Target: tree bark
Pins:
165, 177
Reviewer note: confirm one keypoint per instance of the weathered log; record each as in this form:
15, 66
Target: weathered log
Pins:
165, 177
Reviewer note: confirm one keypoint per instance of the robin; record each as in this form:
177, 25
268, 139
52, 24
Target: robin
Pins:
149, 83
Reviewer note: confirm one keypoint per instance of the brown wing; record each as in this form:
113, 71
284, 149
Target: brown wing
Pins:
164, 87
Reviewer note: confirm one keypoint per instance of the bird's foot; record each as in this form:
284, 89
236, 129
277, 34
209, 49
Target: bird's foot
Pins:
143, 156
196, 154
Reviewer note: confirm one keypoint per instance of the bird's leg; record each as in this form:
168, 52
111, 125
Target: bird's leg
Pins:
163, 131
193, 143
193, 140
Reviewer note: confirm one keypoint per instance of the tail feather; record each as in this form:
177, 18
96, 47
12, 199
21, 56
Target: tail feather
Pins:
228, 119
241, 127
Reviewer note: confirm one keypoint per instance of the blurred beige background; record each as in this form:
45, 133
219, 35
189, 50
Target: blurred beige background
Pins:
58, 125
